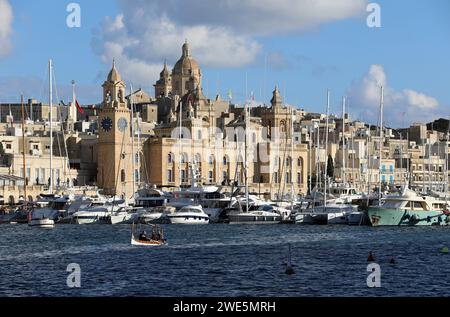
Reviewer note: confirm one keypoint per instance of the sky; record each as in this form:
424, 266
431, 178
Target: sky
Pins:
303, 46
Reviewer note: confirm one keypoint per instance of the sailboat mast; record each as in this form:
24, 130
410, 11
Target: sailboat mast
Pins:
380, 144
245, 155
292, 158
326, 151
446, 161
23, 151
132, 139
181, 144
50, 187
343, 140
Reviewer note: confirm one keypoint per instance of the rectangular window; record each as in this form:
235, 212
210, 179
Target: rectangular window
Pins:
299, 178
275, 177
8, 146
210, 176
170, 176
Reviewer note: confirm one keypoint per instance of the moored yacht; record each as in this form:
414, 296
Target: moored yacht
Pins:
190, 214
410, 209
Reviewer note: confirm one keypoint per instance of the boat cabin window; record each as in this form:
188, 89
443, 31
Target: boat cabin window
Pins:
392, 204
266, 208
418, 205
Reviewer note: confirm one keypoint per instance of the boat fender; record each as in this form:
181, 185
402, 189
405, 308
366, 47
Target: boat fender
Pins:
447, 219
413, 218
439, 219
406, 217
428, 219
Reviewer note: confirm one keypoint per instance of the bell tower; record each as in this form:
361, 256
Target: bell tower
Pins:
114, 171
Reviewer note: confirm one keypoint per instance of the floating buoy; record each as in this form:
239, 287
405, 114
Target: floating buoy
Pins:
289, 269
370, 258
392, 260
444, 250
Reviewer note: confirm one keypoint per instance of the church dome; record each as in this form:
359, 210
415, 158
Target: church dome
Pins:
186, 65
114, 74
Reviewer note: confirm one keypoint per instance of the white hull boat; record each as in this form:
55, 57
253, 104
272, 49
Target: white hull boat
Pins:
45, 223
123, 217
189, 215
355, 218
337, 218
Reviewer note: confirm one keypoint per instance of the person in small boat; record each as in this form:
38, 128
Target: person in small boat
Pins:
143, 236
155, 234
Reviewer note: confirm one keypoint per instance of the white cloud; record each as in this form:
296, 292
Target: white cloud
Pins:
400, 107
222, 33
6, 18
258, 17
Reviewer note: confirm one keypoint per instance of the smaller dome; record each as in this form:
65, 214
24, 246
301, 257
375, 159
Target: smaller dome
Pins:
165, 72
114, 74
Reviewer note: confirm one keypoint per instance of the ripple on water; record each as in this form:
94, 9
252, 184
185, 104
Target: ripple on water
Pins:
222, 260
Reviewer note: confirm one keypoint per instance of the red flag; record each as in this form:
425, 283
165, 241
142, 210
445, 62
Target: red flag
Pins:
80, 110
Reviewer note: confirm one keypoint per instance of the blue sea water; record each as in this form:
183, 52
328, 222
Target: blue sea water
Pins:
224, 260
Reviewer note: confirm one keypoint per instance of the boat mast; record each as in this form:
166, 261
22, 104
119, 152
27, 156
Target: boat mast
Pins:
292, 158
23, 152
343, 140
380, 143
247, 112
180, 145
132, 139
326, 151
446, 161
50, 187
309, 159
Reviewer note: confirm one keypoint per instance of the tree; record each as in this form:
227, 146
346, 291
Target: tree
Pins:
330, 166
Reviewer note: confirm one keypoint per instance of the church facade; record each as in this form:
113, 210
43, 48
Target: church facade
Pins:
214, 139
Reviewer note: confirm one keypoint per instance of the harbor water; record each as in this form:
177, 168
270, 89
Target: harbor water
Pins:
225, 260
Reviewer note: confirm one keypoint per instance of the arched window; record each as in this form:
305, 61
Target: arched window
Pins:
170, 158
211, 159
225, 160
184, 158
197, 158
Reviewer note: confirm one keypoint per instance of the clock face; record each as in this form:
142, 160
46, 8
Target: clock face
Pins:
106, 124
122, 124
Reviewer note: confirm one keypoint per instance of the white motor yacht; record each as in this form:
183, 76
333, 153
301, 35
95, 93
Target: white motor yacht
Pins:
264, 214
191, 214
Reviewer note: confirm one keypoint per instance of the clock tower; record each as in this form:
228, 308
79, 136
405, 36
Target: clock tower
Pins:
115, 165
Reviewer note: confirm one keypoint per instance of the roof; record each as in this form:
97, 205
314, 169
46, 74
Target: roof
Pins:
10, 177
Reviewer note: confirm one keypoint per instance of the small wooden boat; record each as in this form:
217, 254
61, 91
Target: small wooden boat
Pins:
150, 242
156, 239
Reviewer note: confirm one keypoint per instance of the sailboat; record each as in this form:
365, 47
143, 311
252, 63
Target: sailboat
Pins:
44, 220
253, 213
330, 210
